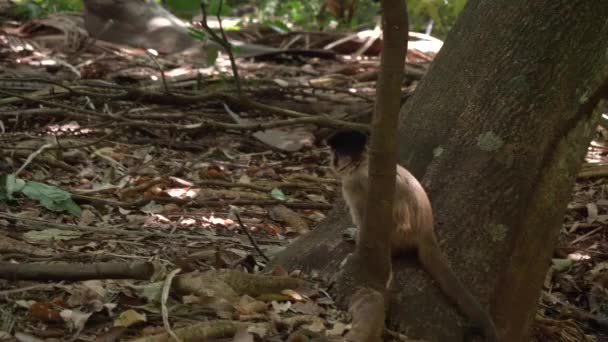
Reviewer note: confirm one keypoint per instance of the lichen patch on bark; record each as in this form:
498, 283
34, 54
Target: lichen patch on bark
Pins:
437, 151
498, 232
489, 141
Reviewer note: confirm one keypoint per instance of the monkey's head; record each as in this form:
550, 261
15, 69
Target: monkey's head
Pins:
348, 151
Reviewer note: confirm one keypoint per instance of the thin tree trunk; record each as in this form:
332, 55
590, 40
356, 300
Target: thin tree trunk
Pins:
372, 260
497, 131
369, 269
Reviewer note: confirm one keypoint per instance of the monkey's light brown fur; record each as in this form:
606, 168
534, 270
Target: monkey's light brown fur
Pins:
413, 216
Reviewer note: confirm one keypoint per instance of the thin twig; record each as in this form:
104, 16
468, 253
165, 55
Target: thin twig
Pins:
31, 157
71, 147
228, 47
223, 41
59, 105
37, 287
315, 120
160, 69
163, 303
251, 239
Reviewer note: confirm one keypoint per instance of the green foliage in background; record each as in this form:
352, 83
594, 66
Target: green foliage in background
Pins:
282, 14
26, 9
301, 14
443, 13
307, 15
187, 9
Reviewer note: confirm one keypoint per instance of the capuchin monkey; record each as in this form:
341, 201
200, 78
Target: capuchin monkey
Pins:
413, 217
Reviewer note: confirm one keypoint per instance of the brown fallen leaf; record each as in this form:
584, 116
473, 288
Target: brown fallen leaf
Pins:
288, 139
291, 218
242, 336
10, 245
45, 312
248, 305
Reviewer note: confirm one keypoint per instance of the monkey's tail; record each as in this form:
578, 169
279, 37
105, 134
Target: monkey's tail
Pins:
433, 261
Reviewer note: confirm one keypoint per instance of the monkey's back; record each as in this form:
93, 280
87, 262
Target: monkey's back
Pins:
412, 211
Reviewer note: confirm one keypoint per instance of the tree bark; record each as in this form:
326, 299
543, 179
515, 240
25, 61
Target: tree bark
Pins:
496, 131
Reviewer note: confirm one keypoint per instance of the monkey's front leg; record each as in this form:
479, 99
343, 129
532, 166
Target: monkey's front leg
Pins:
356, 209
351, 233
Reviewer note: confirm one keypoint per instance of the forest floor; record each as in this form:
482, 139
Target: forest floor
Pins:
110, 164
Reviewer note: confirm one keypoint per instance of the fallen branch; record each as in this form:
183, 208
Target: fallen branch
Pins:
37, 287
292, 205
315, 179
593, 171
205, 123
233, 185
74, 112
47, 160
200, 202
173, 99
115, 231
265, 187
297, 118
76, 272
31, 112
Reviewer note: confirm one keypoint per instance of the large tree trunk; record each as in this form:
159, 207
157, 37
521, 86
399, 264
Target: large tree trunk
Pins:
497, 131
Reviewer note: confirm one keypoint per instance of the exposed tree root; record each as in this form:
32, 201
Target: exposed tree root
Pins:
229, 284
367, 309
206, 330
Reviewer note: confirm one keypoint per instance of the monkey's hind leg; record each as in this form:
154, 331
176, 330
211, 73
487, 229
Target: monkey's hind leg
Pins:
433, 261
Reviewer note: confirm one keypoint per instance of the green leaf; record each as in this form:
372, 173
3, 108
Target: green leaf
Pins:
561, 264
51, 197
151, 292
276, 25
71, 207
458, 6
13, 185
217, 153
197, 34
183, 8
212, 54
278, 194
3, 192
214, 6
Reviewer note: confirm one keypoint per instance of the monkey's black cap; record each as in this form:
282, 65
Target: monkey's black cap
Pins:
349, 142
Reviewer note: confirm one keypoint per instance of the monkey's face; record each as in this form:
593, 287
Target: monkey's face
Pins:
347, 152
341, 165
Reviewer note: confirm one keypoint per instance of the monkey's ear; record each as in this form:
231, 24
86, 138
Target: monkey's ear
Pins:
349, 142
